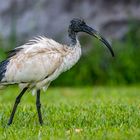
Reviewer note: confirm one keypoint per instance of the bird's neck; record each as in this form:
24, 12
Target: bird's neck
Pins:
73, 37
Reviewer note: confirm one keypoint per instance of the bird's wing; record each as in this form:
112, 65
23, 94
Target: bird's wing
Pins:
34, 45
34, 61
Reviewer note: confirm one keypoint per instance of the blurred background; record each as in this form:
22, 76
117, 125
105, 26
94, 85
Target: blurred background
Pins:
117, 20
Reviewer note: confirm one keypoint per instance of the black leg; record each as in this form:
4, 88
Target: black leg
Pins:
38, 106
17, 101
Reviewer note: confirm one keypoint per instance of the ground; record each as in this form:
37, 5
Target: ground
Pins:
74, 113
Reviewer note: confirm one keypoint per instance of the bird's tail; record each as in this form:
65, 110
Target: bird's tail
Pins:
3, 68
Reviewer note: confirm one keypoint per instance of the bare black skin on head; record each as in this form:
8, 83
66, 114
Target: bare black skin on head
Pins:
78, 25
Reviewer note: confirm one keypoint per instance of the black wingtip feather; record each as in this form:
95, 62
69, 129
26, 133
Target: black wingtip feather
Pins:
3, 64
13, 52
3, 68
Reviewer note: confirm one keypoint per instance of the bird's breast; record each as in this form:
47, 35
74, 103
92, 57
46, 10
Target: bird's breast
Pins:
71, 58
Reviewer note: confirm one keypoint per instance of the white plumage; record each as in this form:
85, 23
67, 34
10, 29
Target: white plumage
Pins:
37, 63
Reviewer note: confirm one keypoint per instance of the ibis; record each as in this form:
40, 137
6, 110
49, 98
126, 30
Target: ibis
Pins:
34, 65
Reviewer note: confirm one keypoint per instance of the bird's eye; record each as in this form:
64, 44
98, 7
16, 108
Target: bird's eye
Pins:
82, 23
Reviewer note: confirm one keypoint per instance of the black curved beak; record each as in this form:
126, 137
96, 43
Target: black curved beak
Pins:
94, 33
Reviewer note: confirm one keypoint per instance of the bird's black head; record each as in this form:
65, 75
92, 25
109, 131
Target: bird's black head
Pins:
79, 25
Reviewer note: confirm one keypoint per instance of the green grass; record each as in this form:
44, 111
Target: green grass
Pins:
74, 113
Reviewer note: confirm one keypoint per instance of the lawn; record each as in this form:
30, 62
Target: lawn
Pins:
74, 113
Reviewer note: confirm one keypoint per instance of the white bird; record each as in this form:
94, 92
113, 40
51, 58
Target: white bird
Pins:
37, 63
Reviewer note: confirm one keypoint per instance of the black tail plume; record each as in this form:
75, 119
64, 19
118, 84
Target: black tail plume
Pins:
3, 68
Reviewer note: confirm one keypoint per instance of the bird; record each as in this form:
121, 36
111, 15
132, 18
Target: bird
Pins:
35, 64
